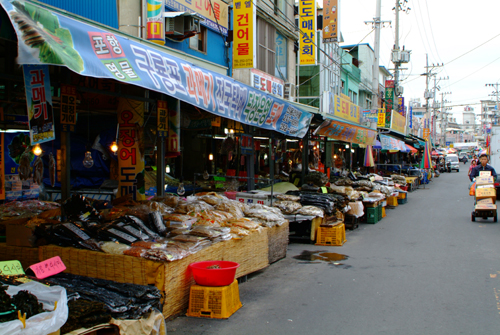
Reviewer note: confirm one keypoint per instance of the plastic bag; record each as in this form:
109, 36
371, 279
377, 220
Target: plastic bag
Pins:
185, 207
188, 238
257, 207
169, 200
210, 199
287, 207
205, 232
287, 197
135, 252
43, 323
114, 248
232, 206
239, 231
311, 211
356, 209
244, 223
472, 189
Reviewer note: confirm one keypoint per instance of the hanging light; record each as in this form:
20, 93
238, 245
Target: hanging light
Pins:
314, 148
88, 162
114, 147
335, 156
37, 150
265, 156
211, 157
352, 150
340, 149
231, 131
167, 169
347, 146
181, 190
226, 131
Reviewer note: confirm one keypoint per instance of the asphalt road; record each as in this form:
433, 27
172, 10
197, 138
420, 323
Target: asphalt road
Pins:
424, 269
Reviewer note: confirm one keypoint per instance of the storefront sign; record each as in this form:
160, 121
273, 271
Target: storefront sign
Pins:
244, 36
390, 143
330, 24
267, 83
401, 106
398, 123
155, 22
246, 145
307, 25
214, 12
371, 115
345, 109
427, 134
39, 103
346, 132
162, 118
91, 51
411, 118
381, 118
130, 150
68, 107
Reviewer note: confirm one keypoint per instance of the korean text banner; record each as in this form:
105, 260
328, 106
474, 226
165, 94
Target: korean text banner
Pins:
346, 132
244, 38
213, 12
398, 122
330, 23
39, 103
345, 109
307, 25
51, 38
390, 143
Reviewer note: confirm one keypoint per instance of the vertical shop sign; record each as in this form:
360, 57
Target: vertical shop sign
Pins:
307, 25
174, 133
244, 37
162, 118
246, 145
381, 118
39, 103
155, 22
389, 101
330, 24
130, 149
68, 108
427, 133
410, 122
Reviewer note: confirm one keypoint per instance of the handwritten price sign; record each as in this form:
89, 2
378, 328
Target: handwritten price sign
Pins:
49, 267
11, 268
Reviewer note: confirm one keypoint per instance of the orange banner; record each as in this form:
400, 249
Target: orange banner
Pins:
346, 132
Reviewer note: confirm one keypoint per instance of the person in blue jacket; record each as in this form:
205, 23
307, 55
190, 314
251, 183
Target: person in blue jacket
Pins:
483, 166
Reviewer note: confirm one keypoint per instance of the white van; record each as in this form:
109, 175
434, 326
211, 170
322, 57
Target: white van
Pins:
454, 163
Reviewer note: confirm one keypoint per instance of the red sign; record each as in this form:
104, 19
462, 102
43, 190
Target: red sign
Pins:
49, 267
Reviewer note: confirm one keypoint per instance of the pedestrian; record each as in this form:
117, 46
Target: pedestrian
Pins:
472, 166
483, 166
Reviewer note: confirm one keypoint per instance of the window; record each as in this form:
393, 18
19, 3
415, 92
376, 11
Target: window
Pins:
266, 57
199, 41
355, 98
343, 86
281, 56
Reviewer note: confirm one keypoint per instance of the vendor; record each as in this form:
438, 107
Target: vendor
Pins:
483, 166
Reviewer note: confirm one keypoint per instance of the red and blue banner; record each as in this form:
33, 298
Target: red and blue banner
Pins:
47, 37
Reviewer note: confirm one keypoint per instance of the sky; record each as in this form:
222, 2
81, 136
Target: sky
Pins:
454, 33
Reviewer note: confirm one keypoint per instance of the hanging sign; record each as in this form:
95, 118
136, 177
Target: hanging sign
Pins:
410, 118
307, 25
390, 143
244, 37
90, 51
162, 112
213, 12
39, 103
330, 24
381, 118
267, 83
427, 134
398, 122
130, 149
155, 22
49, 267
68, 108
246, 145
401, 106
346, 132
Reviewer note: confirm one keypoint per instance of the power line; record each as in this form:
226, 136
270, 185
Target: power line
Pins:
475, 71
480, 45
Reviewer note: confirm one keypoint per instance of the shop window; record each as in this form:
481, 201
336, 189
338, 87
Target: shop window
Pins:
266, 57
199, 41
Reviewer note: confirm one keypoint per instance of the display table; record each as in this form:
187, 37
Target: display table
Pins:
27, 256
172, 278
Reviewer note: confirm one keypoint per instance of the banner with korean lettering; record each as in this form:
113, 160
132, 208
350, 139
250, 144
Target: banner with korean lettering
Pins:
131, 149
398, 122
389, 101
162, 118
410, 118
346, 132
330, 21
68, 108
267, 83
39, 103
91, 51
213, 12
390, 143
345, 109
244, 36
155, 22
401, 106
307, 25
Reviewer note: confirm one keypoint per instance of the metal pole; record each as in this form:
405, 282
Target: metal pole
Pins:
396, 69
66, 165
427, 73
376, 61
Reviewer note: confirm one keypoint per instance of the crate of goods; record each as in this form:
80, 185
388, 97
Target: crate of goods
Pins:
483, 193
214, 302
401, 195
331, 235
392, 201
371, 215
402, 201
351, 222
383, 212
379, 208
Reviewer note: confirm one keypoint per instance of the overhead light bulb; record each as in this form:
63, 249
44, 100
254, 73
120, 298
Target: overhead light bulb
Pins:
347, 146
231, 131
88, 162
335, 156
167, 169
211, 157
352, 150
114, 147
37, 150
265, 156
226, 131
181, 190
340, 149
314, 148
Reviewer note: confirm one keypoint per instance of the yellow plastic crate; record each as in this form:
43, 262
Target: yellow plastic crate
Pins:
331, 236
392, 201
401, 195
383, 212
214, 302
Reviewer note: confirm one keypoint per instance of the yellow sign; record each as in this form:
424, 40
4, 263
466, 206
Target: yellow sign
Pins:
131, 149
244, 43
345, 109
398, 122
427, 134
307, 26
330, 24
381, 118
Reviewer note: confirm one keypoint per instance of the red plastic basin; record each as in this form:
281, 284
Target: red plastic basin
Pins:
214, 277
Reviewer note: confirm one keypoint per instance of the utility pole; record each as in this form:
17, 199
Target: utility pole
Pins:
444, 116
434, 105
495, 93
399, 57
428, 94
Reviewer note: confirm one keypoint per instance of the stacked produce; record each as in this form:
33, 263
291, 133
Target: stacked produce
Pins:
290, 204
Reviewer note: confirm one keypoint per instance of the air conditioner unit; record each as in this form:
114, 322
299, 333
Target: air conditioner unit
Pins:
179, 24
191, 24
174, 25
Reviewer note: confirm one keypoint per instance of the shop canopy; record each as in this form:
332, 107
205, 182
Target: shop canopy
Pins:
346, 131
390, 143
411, 149
46, 36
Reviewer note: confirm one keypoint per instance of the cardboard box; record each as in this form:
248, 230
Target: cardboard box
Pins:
484, 180
486, 207
489, 192
487, 201
19, 235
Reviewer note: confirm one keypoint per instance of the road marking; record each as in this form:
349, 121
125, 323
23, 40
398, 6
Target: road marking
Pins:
494, 275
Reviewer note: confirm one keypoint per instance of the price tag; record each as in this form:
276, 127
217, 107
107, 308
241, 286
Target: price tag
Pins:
49, 267
296, 181
324, 190
484, 173
11, 268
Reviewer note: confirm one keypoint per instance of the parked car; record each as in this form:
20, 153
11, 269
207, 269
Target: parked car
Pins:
452, 163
